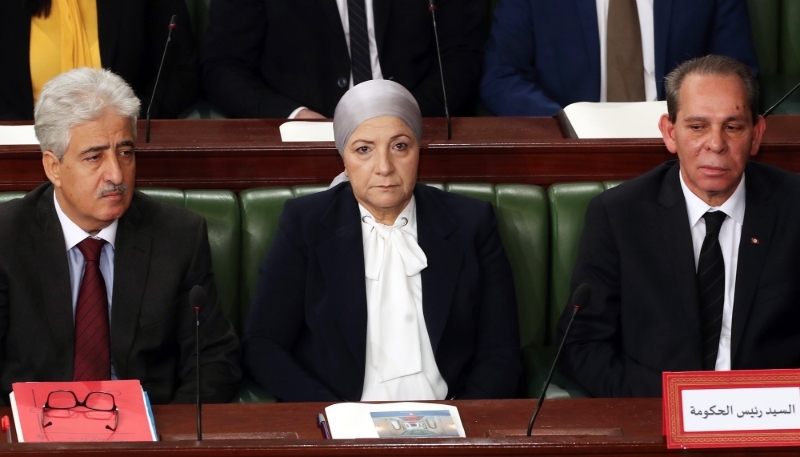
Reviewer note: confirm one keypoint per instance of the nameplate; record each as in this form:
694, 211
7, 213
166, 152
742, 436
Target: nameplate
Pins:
741, 408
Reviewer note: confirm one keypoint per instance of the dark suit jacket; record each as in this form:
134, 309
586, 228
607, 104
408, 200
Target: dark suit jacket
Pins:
305, 338
644, 318
132, 34
161, 252
543, 55
265, 58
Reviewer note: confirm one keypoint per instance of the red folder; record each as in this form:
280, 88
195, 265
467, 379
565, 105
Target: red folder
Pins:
81, 424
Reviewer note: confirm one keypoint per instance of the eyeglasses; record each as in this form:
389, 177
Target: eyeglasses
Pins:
95, 401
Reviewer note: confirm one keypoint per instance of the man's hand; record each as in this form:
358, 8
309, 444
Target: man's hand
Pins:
308, 114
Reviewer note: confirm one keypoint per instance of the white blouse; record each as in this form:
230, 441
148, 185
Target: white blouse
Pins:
400, 364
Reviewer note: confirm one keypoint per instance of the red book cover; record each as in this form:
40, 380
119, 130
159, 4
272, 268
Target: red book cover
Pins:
64, 422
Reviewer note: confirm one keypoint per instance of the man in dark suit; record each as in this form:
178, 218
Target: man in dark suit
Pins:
693, 265
131, 35
543, 55
292, 58
95, 277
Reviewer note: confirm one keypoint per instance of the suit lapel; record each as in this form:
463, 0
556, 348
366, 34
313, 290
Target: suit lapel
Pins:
341, 259
381, 12
587, 10
759, 223
109, 16
439, 279
662, 12
51, 256
677, 245
131, 267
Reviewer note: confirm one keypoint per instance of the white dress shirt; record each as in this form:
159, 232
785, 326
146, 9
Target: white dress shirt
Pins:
646, 23
373, 44
74, 235
427, 384
730, 235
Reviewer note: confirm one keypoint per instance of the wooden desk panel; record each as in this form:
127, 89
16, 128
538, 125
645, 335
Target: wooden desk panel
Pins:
240, 154
638, 419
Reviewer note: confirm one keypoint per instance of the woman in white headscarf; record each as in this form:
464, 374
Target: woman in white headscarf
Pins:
381, 288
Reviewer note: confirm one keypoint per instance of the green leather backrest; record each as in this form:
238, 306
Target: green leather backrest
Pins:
198, 16
261, 209
776, 36
765, 24
568, 203
6, 196
523, 225
220, 208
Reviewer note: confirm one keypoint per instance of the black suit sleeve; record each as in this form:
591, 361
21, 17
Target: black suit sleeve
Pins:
496, 367
277, 317
231, 60
593, 355
219, 346
462, 36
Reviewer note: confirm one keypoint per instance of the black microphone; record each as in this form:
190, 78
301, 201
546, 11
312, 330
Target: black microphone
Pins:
432, 8
769, 111
579, 300
172, 26
197, 298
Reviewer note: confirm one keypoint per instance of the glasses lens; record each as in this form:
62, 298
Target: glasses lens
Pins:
61, 400
100, 401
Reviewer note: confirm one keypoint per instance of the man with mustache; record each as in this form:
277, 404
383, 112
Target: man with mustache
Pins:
95, 277
694, 265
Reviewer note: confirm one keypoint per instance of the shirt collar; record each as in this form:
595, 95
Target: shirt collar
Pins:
409, 212
733, 206
74, 234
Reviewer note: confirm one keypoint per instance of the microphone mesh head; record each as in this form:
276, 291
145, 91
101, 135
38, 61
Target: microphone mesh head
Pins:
197, 297
581, 296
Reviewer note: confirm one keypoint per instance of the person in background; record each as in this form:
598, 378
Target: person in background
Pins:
693, 265
43, 38
382, 288
296, 58
94, 276
544, 55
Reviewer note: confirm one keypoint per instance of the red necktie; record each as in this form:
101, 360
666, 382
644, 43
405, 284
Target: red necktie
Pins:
92, 351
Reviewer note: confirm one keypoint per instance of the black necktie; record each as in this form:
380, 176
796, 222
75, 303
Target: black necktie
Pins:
359, 42
711, 287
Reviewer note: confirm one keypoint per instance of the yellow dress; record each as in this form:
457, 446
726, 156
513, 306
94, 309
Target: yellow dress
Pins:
64, 40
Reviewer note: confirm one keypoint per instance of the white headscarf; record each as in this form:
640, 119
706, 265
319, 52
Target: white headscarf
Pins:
368, 100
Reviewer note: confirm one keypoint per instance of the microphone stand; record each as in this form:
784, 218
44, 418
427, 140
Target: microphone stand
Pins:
580, 298
432, 8
172, 26
769, 111
197, 361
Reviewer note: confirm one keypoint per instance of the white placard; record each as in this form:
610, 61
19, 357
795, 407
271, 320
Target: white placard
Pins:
17, 134
296, 131
741, 409
356, 420
616, 120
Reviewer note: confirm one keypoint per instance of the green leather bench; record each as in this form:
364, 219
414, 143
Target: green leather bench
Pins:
540, 232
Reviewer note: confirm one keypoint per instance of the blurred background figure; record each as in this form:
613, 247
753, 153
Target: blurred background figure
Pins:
43, 38
292, 58
543, 55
